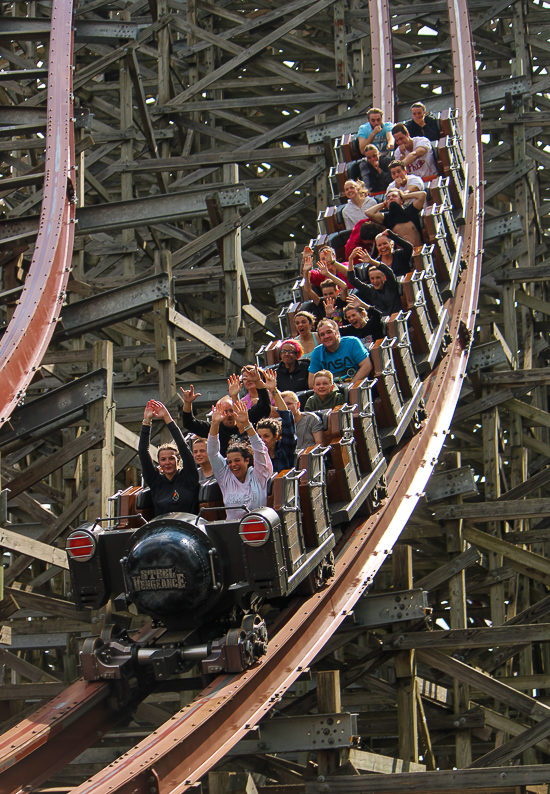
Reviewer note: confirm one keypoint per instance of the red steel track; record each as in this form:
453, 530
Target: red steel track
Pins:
32, 325
177, 754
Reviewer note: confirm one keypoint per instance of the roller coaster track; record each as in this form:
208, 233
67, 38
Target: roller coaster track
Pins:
29, 332
176, 755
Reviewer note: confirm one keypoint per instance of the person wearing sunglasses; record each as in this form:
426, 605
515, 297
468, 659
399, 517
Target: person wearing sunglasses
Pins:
292, 374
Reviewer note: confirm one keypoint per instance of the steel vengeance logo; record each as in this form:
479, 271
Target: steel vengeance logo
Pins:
159, 579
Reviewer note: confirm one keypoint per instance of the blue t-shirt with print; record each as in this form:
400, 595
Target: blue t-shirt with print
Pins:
380, 140
344, 362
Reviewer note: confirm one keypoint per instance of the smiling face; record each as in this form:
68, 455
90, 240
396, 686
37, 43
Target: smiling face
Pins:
377, 279
199, 452
350, 189
303, 324
354, 317
418, 116
237, 465
330, 291
385, 246
329, 337
246, 377
322, 386
168, 462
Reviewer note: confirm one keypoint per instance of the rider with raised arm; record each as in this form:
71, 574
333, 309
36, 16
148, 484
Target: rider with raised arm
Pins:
174, 487
229, 425
243, 477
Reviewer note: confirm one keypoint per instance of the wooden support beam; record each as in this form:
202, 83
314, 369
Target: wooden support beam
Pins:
445, 572
101, 460
470, 638
490, 686
49, 606
43, 468
34, 548
196, 332
382, 764
535, 415
485, 403
25, 668
457, 781
494, 511
516, 377
513, 747
521, 560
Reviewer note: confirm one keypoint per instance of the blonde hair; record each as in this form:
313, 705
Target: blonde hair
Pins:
323, 373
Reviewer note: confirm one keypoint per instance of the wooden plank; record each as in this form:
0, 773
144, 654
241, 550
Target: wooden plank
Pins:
536, 415
470, 638
531, 484
43, 468
382, 764
26, 691
533, 303
49, 535
49, 606
485, 683
24, 668
486, 403
34, 548
132, 440
494, 511
196, 332
513, 747
531, 274
526, 559
501, 723
439, 782
444, 572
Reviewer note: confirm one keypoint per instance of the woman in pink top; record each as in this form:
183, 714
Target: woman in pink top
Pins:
243, 477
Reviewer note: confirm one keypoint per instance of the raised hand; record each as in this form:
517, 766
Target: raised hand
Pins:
217, 412
241, 413
149, 411
161, 411
256, 375
377, 129
234, 386
360, 253
270, 379
356, 302
323, 269
307, 259
189, 395
329, 306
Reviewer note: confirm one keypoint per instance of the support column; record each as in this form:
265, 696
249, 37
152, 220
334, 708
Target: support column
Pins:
329, 701
101, 460
232, 263
458, 618
405, 666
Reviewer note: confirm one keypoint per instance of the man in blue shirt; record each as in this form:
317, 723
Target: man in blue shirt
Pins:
376, 131
346, 358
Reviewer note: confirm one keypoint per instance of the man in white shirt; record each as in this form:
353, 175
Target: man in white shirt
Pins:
415, 153
406, 183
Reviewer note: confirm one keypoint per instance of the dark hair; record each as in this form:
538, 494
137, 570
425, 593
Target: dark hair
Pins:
242, 448
270, 424
397, 164
311, 317
368, 231
400, 128
328, 283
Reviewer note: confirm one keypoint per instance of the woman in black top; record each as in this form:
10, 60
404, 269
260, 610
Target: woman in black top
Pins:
399, 259
174, 487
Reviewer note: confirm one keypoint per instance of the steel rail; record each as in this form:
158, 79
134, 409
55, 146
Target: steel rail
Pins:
30, 329
176, 755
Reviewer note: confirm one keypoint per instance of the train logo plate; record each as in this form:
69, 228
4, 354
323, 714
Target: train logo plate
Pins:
159, 579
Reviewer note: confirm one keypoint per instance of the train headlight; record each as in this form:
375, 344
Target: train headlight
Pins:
80, 546
255, 530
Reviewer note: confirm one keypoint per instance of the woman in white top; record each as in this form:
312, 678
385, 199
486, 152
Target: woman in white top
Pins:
243, 477
358, 202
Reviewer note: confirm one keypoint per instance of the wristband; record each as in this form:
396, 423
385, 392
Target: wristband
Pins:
248, 427
148, 424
